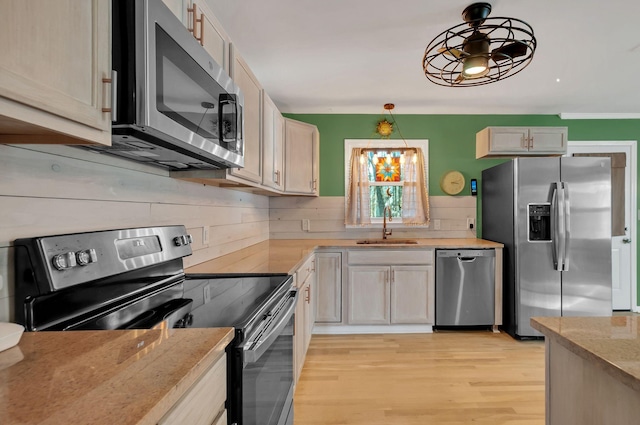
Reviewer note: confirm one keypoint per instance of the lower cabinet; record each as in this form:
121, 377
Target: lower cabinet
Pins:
382, 295
328, 287
389, 287
305, 313
204, 402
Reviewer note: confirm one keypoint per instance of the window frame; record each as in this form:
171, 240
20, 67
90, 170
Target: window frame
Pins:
350, 144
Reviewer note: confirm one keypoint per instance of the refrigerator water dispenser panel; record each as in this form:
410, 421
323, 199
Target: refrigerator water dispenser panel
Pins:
540, 222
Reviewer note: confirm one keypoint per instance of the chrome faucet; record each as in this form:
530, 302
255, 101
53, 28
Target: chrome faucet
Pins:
386, 232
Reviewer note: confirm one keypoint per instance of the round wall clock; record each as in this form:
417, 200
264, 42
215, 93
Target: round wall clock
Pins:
452, 182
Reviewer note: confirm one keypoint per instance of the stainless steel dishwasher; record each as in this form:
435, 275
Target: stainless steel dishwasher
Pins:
465, 288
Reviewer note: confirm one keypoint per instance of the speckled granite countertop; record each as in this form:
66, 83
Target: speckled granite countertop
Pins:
285, 255
611, 343
103, 377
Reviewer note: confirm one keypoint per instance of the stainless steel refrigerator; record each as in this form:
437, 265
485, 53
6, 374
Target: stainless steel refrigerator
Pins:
553, 216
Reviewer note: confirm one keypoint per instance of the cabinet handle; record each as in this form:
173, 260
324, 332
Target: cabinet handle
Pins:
524, 142
106, 81
314, 184
531, 142
194, 23
308, 296
393, 276
277, 177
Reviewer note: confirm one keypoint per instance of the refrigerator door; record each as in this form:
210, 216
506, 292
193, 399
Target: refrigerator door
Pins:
538, 284
586, 281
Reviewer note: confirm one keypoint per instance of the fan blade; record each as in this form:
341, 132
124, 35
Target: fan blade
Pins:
452, 52
509, 51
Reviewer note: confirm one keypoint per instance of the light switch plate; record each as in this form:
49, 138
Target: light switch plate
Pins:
305, 224
205, 235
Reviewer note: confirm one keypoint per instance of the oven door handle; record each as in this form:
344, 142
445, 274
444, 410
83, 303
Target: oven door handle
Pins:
253, 350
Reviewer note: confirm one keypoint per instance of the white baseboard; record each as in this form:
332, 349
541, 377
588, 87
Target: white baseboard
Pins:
321, 329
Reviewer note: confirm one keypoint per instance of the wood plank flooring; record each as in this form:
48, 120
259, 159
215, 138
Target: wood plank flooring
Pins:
442, 378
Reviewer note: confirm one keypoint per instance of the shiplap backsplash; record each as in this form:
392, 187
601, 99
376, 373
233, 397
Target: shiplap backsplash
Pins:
326, 219
46, 190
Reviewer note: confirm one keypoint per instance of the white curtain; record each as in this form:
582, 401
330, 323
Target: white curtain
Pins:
415, 199
358, 204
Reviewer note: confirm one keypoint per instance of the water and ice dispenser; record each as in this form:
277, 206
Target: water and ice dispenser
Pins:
539, 222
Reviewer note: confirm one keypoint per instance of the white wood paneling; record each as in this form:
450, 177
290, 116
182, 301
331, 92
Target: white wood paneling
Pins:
326, 219
47, 190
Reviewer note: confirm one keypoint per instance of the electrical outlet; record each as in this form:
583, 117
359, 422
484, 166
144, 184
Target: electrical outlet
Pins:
471, 223
305, 224
207, 294
436, 224
205, 235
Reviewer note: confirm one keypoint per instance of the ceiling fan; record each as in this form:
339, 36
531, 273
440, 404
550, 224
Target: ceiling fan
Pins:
480, 51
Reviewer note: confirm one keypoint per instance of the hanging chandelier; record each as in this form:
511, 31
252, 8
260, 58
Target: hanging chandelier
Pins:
480, 51
384, 128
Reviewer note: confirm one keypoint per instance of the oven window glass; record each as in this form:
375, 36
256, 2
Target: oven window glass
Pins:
267, 383
187, 94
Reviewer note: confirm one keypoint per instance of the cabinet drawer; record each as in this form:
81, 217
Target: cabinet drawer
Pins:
204, 401
305, 270
390, 257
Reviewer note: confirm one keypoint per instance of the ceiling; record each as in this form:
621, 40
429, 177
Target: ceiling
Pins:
352, 56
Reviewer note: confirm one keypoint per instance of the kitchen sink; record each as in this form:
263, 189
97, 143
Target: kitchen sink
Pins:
387, 242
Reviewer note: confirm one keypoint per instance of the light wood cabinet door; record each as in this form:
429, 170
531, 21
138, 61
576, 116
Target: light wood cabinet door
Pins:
329, 287
301, 158
309, 308
213, 38
299, 337
369, 294
509, 139
548, 139
55, 55
204, 401
412, 294
252, 91
272, 145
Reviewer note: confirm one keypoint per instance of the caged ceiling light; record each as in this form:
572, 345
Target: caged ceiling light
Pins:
480, 51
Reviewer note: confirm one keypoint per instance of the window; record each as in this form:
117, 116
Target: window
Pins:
386, 174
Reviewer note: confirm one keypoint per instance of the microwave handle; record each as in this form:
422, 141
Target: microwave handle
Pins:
226, 98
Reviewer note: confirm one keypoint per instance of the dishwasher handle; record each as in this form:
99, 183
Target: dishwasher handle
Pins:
467, 259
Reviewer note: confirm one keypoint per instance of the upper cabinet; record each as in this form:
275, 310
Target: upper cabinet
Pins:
55, 72
302, 142
252, 91
273, 145
521, 141
204, 26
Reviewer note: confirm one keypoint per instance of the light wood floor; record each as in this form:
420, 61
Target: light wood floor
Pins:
441, 378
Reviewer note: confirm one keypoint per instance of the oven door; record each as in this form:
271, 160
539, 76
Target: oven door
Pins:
267, 375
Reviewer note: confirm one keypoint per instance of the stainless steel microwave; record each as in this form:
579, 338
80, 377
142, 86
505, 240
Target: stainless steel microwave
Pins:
172, 105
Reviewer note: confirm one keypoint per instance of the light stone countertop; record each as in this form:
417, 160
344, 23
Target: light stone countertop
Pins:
286, 255
103, 377
610, 343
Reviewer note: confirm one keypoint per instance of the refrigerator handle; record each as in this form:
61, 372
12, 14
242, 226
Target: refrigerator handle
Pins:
562, 231
567, 225
554, 226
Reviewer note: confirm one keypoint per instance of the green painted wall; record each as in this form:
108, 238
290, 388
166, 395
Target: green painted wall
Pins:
452, 141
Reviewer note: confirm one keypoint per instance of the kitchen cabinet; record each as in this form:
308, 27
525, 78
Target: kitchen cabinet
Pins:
273, 145
521, 141
204, 402
201, 22
328, 287
388, 287
55, 72
252, 91
305, 312
301, 158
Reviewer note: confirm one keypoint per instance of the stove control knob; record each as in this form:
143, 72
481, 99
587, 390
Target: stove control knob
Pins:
64, 261
183, 240
87, 256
